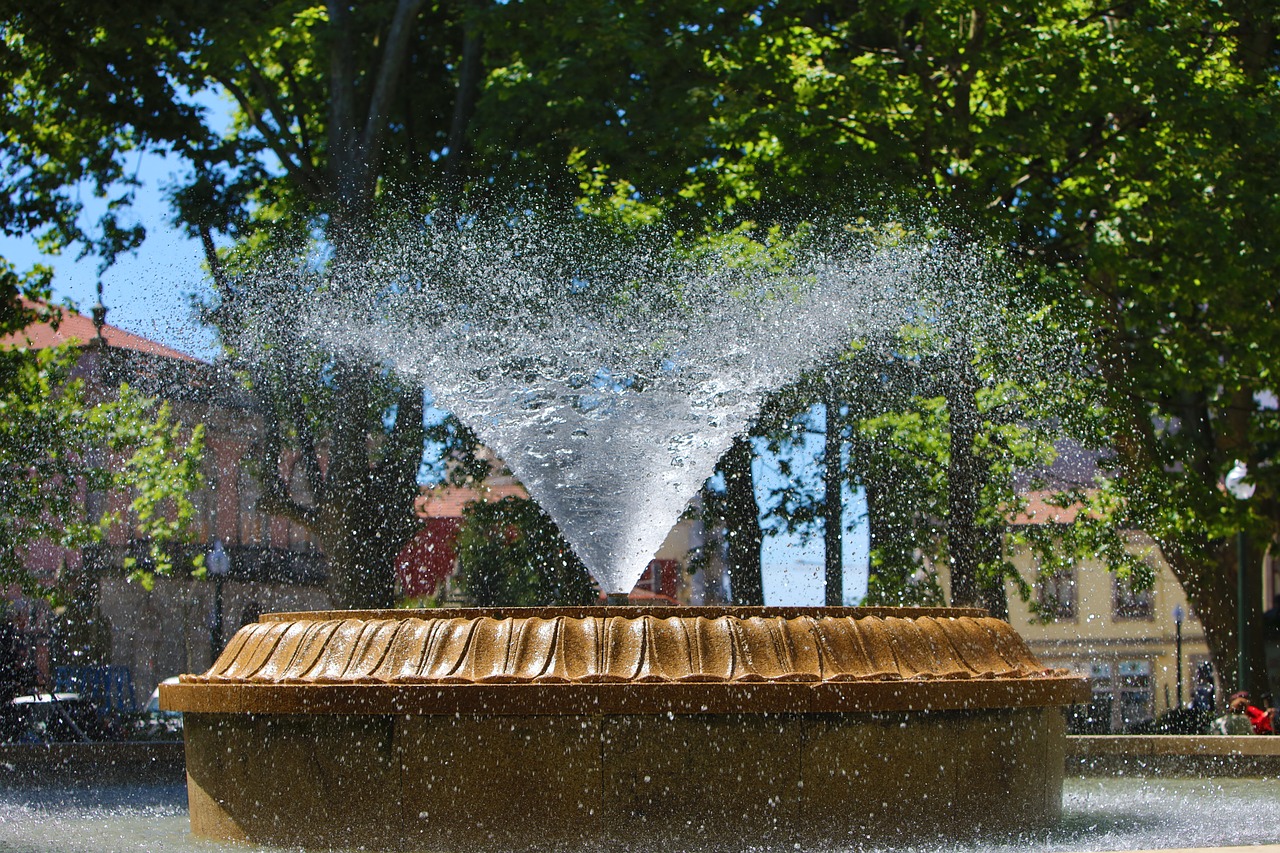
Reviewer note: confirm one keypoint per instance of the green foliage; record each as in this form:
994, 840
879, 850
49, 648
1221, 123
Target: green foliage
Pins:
336, 110
1091, 519
24, 298
162, 468
1120, 155
1121, 151
59, 441
511, 554
83, 94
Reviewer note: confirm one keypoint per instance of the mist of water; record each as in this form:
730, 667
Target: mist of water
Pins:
609, 375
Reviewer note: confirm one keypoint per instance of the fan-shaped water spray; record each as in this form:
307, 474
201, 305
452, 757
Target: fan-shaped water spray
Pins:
609, 378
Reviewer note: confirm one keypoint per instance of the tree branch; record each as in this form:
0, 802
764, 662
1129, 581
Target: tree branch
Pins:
296, 96
399, 34
282, 116
463, 108
342, 97
270, 135
211, 258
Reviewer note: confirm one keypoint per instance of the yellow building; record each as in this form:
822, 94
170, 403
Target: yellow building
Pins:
1124, 641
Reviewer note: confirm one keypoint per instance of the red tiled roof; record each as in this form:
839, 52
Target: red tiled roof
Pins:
1040, 511
449, 501
77, 328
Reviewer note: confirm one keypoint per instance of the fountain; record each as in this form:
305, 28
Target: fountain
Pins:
610, 382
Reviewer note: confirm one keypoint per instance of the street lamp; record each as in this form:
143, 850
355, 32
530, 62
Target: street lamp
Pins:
1178, 614
218, 564
99, 318
1239, 489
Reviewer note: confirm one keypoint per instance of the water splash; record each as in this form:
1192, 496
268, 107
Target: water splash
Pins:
609, 376
1098, 814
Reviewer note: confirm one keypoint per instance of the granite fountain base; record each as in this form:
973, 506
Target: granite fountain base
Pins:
521, 729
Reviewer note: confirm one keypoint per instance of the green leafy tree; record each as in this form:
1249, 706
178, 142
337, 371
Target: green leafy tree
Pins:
341, 117
1120, 151
511, 554
344, 117
330, 109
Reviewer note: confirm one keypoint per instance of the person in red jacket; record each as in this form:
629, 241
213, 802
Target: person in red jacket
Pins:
1261, 719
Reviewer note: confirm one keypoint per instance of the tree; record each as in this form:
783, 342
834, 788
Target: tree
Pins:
1120, 151
343, 116
812, 407
329, 109
511, 554
951, 421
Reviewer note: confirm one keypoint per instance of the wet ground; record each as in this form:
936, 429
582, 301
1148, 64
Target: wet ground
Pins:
1100, 815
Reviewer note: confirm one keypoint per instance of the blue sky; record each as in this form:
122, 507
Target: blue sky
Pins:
148, 293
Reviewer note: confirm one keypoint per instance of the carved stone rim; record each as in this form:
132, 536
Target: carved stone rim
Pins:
623, 699
740, 611
624, 660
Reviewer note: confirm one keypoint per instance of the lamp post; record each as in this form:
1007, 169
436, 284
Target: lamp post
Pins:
1235, 484
99, 312
1178, 614
218, 564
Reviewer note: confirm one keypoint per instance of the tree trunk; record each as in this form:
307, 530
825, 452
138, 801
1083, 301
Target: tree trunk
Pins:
469, 77
1210, 585
360, 503
995, 597
1209, 435
964, 481
742, 522
356, 579
833, 506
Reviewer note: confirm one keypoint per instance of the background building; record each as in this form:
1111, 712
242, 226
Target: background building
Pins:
1124, 641
147, 635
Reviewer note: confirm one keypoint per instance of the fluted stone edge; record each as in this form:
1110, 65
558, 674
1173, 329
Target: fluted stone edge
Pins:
624, 660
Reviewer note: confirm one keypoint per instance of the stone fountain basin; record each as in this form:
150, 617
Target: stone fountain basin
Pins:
530, 728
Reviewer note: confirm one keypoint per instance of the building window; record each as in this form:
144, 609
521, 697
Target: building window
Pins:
1056, 594
1129, 603
1122, 696
1135, 692
249, 520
